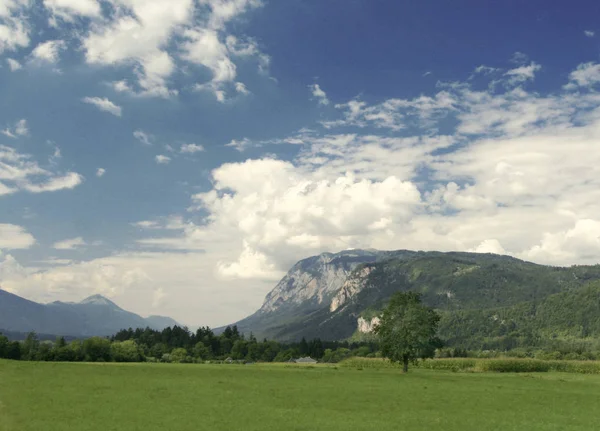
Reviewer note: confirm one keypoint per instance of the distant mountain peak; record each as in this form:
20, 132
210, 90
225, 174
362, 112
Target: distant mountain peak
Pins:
98, 300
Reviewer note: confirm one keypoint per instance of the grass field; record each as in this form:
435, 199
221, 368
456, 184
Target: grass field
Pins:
152, 397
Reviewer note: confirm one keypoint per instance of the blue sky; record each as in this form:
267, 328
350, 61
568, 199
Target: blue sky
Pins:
178, 157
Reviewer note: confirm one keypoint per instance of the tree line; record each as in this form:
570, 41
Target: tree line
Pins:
178, 344
408, 331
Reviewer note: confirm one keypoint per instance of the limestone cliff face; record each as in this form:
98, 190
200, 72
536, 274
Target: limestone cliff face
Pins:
367, 326
314, 281
353, 285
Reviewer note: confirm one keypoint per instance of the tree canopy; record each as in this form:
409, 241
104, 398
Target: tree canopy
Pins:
407, 329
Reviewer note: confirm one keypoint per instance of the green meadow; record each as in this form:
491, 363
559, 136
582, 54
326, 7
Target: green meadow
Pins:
152, 397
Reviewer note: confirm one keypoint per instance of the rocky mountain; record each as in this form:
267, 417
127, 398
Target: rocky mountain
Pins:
480, 296
308, 287
95, 315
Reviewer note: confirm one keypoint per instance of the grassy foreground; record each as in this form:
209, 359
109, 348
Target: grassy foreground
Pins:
152, 397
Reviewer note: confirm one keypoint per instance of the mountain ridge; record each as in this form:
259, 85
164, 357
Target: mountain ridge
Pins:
94, 315
455, 283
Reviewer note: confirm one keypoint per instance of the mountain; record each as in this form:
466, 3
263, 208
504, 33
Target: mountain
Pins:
95, 315
308, 287
483, 298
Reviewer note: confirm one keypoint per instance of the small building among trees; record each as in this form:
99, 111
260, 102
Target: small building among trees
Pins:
307, 360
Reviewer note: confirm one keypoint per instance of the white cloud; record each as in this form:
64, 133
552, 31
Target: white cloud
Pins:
319, 94
589, 33
485, 70
191, 148
151, 37
146, 224
203, 47
143, 137
20, 172
65, 182
586, 75
14, 237
579, 242
241, 88
522, 74
68, 10
104, 104
241, 145
489, 246
14, 25
13, 64
139, 33
69, 244
19, 129
248, 48
48, 51
162, 159
100, 172
394, 114
517, 173
499, 189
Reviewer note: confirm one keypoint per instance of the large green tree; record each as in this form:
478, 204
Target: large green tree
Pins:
407, 329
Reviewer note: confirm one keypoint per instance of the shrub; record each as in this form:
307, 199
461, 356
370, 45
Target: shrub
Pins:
513, 365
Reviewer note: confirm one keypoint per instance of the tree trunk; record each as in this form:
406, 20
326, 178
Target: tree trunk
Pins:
405, 364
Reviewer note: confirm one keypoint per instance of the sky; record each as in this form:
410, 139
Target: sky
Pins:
178, 157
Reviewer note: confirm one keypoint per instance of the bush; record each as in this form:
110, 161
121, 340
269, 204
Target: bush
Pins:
514, 366
126, 351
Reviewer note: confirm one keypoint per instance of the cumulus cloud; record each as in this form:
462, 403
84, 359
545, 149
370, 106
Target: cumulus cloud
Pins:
13, 64
104, 104
14, 237
138, 33
319, 94
586, 75
515, 172
162, 159
152, 38
100, 172
48, 51
69, 244
14, 25
498, 190
19, 129
69, 10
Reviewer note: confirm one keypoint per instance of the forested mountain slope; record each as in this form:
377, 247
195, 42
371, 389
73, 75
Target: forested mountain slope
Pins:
484, 299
